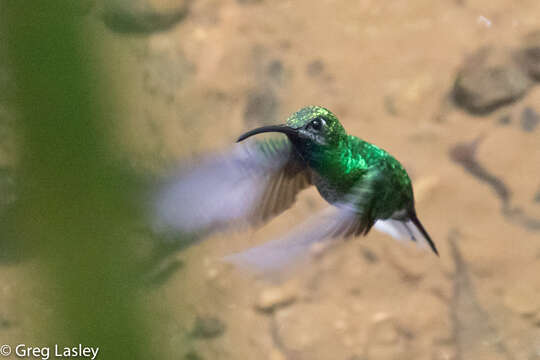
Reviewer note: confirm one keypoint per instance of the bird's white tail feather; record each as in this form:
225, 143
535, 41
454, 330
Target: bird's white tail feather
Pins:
402, 231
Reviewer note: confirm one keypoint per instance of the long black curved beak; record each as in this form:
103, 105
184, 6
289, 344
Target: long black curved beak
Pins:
284, 129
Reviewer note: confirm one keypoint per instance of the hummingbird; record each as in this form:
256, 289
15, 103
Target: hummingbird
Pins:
257, 180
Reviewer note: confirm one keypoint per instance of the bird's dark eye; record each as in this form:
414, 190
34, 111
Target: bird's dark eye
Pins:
316, 124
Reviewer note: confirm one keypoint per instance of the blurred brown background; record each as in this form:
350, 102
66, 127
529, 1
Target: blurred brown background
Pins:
448, 87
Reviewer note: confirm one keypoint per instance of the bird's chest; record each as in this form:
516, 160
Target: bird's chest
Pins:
332, 176
328, 188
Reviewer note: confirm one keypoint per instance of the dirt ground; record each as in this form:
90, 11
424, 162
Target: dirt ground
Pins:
386, 69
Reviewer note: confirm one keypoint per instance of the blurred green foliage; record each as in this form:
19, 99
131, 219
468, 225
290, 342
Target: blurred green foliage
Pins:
75, 206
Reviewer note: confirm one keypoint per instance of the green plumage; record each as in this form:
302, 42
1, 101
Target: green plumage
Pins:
347, 171
340, 162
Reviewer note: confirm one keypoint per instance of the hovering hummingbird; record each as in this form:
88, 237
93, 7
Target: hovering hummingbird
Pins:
260, 179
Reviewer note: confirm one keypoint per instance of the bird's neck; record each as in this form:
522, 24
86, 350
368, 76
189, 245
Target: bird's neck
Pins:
332, 163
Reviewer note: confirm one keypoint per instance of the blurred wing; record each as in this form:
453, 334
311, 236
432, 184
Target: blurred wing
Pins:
347, 219
251, 183
275, 258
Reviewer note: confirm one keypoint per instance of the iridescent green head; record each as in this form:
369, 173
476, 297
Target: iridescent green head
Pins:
318, 124
310, 125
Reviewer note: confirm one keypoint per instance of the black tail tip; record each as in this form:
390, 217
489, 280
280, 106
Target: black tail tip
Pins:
420, 227
434, 248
